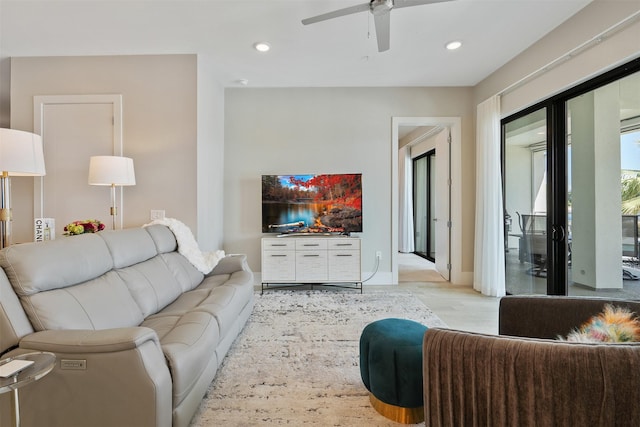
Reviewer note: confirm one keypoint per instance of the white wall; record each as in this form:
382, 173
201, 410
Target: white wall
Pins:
210, 156
159, 126
522, 81
328, 130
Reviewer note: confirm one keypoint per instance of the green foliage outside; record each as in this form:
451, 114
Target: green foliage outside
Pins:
631, 193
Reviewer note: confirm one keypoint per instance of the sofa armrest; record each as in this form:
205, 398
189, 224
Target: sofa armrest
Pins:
89, 341
543, 316
124, 367
230, 264
476, 379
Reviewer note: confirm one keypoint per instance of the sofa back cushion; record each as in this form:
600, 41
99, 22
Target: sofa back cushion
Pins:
143, 259
187, 275
14, 323
102, 303
163, 238
151, 284
68, 261
129, 246
68, 284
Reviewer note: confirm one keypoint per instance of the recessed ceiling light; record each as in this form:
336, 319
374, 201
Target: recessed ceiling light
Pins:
262, 47
456, 44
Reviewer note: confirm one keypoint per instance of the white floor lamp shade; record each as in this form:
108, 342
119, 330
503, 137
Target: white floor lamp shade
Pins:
21, 154
113, 171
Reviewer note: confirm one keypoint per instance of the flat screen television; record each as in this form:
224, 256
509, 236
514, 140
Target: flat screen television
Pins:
329, 203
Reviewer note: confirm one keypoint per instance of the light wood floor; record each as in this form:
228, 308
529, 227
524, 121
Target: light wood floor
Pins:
460, 307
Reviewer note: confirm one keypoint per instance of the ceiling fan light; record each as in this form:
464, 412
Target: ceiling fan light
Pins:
453, 45
262, 47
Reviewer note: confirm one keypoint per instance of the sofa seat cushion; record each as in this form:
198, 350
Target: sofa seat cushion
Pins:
240, 277
226, 302
211, 282
188, 342
223, 301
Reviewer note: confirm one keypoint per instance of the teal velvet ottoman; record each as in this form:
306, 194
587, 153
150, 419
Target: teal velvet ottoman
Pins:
391, 368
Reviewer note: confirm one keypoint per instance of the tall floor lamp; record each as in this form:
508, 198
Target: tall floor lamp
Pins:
114, 171
21, 154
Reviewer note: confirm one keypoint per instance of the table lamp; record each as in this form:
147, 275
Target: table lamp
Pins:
21, 154
114, 171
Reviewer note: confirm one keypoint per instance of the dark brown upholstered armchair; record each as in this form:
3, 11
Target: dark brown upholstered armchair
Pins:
524, 377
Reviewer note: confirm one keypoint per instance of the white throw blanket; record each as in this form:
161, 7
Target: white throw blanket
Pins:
188, 247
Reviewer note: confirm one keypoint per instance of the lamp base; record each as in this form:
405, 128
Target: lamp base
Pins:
5, 210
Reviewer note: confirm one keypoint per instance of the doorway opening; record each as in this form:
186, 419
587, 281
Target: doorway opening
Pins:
445, 138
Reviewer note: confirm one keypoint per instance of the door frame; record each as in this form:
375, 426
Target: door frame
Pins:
556, 105
455, 192
40, 102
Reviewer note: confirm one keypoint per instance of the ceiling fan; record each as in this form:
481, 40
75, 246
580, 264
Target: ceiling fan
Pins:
381, 14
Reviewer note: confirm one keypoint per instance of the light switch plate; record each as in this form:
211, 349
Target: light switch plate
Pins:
156, 214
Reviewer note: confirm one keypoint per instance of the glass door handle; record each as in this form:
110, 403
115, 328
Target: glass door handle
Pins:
557, 233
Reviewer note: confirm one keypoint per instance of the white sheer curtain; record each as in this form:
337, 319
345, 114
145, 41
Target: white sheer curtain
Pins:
488, 271
405, 220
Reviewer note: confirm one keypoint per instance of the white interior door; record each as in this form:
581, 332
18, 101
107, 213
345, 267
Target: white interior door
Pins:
74, 128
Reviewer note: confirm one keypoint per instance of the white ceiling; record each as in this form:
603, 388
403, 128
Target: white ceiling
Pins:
340, 52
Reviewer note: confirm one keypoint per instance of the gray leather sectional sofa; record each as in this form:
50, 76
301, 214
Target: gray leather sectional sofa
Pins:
147, 329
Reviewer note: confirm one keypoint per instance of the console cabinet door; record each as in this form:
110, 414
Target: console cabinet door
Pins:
278, 260
344, 266
311, 266
344, 260
311, 259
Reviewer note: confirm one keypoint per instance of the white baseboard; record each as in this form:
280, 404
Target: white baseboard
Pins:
380, 278
463, 278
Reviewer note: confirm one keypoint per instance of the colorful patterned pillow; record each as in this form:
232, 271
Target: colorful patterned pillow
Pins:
614, 324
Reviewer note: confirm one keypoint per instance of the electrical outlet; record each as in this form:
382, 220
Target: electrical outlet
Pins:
156, 214
379, 254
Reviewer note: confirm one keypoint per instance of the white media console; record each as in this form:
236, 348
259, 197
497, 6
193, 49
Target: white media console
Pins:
298, 260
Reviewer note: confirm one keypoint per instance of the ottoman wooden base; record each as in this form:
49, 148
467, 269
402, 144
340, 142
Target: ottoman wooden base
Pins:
397, 413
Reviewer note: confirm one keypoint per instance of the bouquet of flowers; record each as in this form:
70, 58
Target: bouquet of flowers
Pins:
81, 227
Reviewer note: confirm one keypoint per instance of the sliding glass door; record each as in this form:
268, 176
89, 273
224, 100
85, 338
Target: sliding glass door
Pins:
571, 170
525, 201
603, 189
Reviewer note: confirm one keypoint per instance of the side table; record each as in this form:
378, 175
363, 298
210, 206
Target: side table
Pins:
43, 364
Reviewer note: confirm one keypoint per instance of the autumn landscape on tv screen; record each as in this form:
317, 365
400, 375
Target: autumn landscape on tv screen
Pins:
312, 203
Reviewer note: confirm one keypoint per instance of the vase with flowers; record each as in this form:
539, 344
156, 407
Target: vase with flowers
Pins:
82, 227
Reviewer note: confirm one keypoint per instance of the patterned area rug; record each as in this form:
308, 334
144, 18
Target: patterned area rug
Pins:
297, 360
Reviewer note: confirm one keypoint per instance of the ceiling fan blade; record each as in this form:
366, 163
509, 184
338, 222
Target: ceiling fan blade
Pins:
337, 13
383, 30
408, 3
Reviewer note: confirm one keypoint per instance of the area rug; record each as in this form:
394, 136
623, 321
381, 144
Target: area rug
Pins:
297, 360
